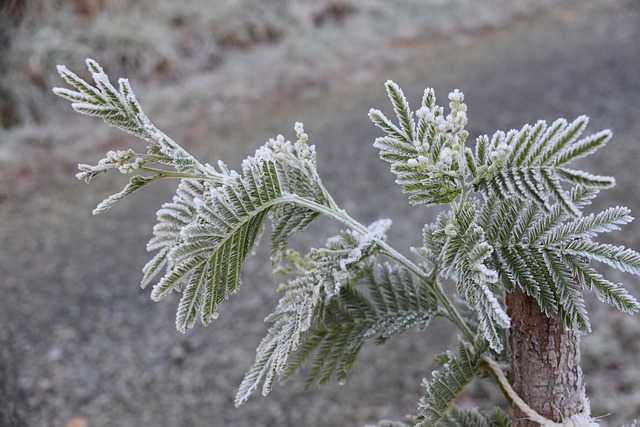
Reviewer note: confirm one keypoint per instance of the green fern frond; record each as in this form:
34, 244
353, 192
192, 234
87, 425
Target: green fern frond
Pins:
606, 291
542, 252
386, 125
582, 148
287, 220
618, 257
318, 294
402, 110
584, 178
400, 300
474, 276
589, 226
395, 301
423, 155
517, 267
475, 418
568, 290
447, 384
135, 183
172, 218
544, 222
207, 231
458, 245
222, 236
291, 319
528, 163
120, 108
298, 175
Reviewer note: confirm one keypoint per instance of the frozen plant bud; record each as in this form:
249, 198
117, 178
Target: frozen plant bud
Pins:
426, 114
460, 119
302, 137
86, 173
450, 230
447, 156
131, 166
120, 156
456, 96
420, 161
500, 153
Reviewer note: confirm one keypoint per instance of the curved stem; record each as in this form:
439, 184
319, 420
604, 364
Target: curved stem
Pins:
340, 215
181, 175
435, 285
504, 384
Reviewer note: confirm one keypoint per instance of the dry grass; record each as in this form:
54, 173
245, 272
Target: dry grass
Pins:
163, 41
153, 41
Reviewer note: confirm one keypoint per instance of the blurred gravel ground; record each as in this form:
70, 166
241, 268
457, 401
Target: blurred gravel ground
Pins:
86, 345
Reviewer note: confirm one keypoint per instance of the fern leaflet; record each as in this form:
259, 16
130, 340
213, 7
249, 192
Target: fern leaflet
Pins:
205, 254
394, 302
322, 287
547, 254
457, 245
529, 163
446, 385
475, 418
423, 156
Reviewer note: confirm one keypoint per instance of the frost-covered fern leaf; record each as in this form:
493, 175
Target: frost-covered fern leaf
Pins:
458, 246
296, 167
204, 256
446, 385
172, 218
407, 421
547, 254
344, 251
401, 301
120, 108
291, 319
330, 269
475, 418
425, 156
394, 302
531, 163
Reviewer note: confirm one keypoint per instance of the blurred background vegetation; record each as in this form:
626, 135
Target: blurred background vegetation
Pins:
204, 68
152, 41
161, 42
199, 65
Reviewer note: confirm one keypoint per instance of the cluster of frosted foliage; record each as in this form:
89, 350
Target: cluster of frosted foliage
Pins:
428, 155
515, 221
125, 161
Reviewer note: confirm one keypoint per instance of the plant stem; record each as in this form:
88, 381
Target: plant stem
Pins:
340, 215
180, 175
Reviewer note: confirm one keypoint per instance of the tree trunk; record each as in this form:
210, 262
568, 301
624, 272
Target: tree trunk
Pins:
545, 362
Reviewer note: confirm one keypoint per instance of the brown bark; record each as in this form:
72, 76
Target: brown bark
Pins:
545, 362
